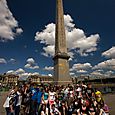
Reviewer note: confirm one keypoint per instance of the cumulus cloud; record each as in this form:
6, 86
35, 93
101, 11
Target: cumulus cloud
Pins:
23, 75
72, 74
82, 71
99, 70
30, 61
48, 68
26, 74
8, 24
110, 72
31, 64
109, 53
3, 61
76, 38
20, 71
81, 67
12, 60
50, 75
97, 74
16, 72
10, 72
104, 74
49, 50
108, 64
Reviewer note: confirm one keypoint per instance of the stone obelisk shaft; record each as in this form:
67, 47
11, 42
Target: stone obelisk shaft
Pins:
61, 65
60, 44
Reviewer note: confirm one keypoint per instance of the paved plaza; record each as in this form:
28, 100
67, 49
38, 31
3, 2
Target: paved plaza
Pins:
2, 99
110, 100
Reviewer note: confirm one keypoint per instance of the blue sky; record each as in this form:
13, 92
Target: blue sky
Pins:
90, 39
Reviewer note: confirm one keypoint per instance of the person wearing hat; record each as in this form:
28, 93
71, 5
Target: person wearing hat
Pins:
100, 100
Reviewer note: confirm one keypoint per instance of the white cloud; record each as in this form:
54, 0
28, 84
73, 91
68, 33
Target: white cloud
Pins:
49, 50
47, 36
30, 61
109, 53
3, 61
68, 21
25, 75
110, 72
103, 74
81, 67
8, 24
16, 72
109, 64
31, 64
10, 72
72, 74
12, 60
76, 38
96, 74
20, 71
50, 75
35, 73
82, 71
99, 70
48, 68
19, 30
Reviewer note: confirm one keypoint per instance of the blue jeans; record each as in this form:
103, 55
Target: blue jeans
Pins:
17, 110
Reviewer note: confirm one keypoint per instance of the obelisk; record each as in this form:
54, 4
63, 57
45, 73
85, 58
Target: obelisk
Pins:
61, 64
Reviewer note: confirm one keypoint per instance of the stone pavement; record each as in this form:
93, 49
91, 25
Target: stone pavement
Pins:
3, 96
110, 101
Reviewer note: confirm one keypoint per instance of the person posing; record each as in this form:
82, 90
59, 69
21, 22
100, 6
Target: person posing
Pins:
18, 103
51, 97
83, 110
90, 92
44, 110
54, 110
12, 104
63, 109
8, 104
45, 96
38, 99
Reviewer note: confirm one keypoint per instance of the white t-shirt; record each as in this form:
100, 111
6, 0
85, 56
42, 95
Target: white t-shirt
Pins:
6, 103
71, 93
19, 99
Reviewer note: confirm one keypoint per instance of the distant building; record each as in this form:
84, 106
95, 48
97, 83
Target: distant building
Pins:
9, 79
40, 79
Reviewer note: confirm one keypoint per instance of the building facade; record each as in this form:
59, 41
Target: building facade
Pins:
9, 79
40, 79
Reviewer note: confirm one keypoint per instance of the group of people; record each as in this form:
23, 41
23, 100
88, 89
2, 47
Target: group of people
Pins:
47, 99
